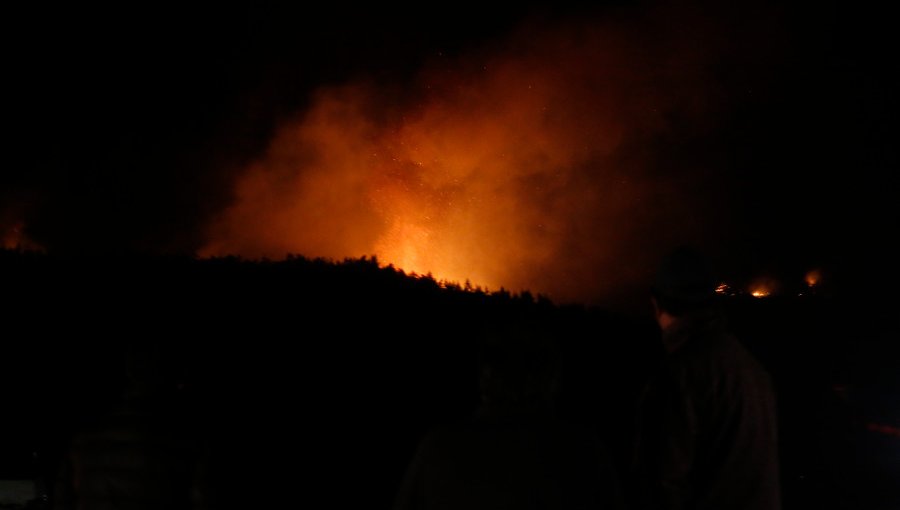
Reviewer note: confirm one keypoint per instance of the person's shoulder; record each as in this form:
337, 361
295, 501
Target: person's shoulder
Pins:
737, 369
736, 352
714, 341
708, 355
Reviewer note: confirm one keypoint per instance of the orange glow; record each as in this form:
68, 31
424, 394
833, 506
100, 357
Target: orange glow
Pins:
763, 287
10, 240
813, 277
519, 167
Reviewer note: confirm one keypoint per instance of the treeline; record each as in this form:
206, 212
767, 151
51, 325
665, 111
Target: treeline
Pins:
315, 379
330, 368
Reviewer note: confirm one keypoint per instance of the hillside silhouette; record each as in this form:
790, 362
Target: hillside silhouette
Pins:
305, 379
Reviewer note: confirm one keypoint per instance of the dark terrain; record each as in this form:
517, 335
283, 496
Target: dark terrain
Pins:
308, 379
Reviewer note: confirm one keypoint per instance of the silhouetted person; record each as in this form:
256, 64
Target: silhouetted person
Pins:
708, 434
139, 456
514, 453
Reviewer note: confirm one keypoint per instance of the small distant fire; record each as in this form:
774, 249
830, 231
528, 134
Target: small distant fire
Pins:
724, 289
766, 286
763, 287
813, 278
760, 293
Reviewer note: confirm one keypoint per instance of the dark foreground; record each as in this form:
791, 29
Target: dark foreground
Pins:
308, 381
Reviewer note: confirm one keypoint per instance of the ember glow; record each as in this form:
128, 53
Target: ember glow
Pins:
522, 167
813, 278
763, 287
13, 237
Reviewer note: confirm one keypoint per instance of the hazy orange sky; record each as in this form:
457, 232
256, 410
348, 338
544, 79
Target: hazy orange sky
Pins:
530, 164
558, 147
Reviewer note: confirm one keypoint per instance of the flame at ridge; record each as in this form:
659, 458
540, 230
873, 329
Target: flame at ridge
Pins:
522, 167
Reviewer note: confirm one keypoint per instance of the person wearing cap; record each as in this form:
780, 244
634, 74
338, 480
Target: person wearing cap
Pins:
707, 438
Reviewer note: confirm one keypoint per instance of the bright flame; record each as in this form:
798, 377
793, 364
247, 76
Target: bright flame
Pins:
523, 168
723, 288
763, 287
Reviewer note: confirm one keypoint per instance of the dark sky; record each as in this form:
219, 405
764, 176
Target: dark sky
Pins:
125, 128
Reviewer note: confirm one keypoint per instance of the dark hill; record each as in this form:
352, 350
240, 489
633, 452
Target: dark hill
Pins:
310, 379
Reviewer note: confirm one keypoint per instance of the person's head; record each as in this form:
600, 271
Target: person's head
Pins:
519, 366
684, 284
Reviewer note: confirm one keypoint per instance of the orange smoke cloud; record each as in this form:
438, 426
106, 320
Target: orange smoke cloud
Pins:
528, 166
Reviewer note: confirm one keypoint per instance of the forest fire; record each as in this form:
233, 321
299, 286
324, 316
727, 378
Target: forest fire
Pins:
520, 168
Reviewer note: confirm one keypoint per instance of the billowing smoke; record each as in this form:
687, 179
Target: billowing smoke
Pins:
548, 162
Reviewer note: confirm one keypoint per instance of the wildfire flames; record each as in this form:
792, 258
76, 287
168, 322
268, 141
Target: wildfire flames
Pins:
763, 287
525, 166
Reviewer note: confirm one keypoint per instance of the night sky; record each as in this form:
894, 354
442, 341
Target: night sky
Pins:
763, 133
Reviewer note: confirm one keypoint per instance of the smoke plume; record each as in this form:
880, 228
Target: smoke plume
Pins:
549, 161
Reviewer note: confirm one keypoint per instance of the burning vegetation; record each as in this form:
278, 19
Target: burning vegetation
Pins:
524, 166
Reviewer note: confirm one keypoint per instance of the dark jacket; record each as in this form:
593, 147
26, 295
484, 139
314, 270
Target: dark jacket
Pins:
510, 460
709, 435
